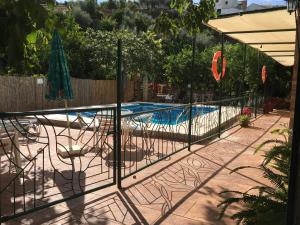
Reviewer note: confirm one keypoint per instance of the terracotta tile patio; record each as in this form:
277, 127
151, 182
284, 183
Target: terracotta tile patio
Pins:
184, 189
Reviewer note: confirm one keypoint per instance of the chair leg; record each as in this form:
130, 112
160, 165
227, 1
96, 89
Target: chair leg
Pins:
30, 155
39, 132
78, 137
11, 159
81, 139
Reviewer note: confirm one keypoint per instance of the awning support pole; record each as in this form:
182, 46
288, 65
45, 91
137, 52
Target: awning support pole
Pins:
243, 75
256, 88
220, 83
293, 216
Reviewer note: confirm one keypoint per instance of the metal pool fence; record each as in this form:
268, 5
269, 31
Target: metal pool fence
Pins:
39, 169
151, 136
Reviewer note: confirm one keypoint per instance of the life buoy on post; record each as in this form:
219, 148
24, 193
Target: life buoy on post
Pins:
214, 66
264, 74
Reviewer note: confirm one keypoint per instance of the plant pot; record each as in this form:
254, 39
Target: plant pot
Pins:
244, 124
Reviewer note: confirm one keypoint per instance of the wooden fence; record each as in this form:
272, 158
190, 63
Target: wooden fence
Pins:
28, 93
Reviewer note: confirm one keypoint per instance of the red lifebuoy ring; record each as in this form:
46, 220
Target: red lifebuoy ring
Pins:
264, 74
214, 66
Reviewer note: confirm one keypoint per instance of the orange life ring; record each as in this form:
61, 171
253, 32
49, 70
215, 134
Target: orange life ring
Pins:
264, 74
214, 66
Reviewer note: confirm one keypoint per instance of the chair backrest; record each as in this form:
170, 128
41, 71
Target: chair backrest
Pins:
80, 121
6, 140
106, 124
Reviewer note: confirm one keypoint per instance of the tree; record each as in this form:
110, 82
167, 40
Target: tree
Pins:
185, 15
18, 19
142, 22
118, 15
106, 24
82, 17
37, 47
96, 55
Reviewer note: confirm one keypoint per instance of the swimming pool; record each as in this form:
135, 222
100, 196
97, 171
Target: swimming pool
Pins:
171, 117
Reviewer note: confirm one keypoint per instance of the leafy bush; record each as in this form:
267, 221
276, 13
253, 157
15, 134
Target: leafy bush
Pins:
106, 24
82, 17
142, 55
244, 120
263, 204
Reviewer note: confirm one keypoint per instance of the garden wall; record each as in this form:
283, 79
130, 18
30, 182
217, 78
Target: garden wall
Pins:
28, 93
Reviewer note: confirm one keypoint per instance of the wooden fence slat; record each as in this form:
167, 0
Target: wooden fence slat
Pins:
24, 94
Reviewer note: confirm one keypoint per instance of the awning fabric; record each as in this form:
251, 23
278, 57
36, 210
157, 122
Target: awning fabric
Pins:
255, 29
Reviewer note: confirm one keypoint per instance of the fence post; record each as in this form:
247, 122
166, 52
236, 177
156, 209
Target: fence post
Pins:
191, 96
255, 105
220, 118
242, 103
114, 146
118, 119
190, 122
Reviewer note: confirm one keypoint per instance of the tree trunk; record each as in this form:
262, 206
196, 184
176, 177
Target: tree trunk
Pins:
145, 88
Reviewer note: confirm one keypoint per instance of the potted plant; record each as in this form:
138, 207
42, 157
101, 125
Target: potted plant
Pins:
245, 117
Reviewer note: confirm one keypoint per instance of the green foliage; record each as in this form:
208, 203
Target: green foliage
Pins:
106, 24
185, 15
265, 205
178, 68
37, 47
142, 55
118, 15
91, 7
142, 22
82, 17
18, 19
244, 120
90, 31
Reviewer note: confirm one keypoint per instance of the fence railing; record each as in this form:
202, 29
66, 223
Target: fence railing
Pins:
151, 136
148, 137
38, 168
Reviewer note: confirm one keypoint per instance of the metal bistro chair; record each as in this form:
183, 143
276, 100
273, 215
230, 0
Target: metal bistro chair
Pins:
83, 127
29, 131
106, 127
7, 149
102, 145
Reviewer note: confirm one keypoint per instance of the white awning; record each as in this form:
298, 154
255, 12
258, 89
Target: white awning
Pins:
272, 32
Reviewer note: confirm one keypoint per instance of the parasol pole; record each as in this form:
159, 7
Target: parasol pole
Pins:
68, 125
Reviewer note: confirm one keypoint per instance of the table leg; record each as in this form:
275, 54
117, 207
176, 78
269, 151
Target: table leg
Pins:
17, 151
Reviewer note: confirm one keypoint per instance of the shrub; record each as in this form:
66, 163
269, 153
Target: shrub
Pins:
265, 204
82, 17
244, 120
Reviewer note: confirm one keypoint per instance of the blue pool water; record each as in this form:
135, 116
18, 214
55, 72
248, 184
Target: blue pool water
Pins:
171, 117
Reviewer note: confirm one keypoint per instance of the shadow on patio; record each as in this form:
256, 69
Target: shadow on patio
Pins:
181, 190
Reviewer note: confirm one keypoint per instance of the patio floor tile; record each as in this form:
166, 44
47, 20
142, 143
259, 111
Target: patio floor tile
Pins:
184, 189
